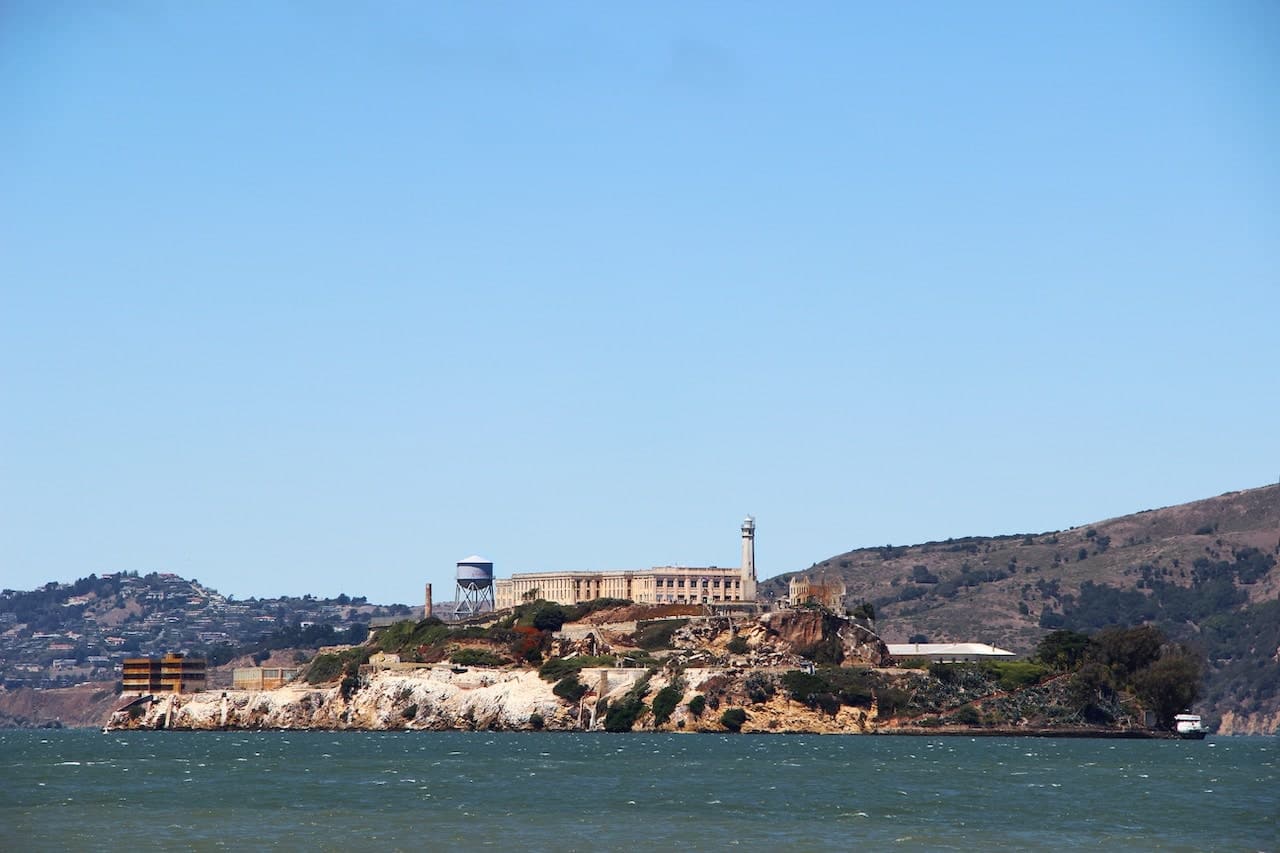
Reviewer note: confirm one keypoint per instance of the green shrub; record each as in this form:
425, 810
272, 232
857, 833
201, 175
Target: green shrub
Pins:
410, 712
802, 686
818, 692
549, 617
623, 715
536, 722
967, 715
570, 688
557, 668
476, 657
407, 635
733, 719
657, 635
697, 705
664, 703
827, 703
853, 686
759, 687
1063, 650
1017, 674
947, 673
585, 608
324, 668
892, 700
328, 667
738, 646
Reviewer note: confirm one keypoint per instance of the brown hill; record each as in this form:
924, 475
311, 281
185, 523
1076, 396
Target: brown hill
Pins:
88, 704
1204, 571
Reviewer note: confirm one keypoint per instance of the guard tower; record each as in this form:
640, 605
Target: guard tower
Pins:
475, 587
749, 559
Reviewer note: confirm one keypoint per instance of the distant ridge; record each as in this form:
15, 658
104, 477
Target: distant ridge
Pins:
1204, 571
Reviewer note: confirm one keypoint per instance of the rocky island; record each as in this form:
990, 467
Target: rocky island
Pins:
613, 666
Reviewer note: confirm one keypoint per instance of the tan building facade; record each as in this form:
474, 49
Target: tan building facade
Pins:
658, 585
262, 678
828, 592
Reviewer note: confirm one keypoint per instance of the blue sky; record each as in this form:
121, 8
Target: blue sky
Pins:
306, 297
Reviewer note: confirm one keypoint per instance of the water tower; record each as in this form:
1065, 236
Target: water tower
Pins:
475, 587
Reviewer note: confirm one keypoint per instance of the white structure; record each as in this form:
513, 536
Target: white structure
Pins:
948, 652
749, 558
1189, 726
658, 585
475, 587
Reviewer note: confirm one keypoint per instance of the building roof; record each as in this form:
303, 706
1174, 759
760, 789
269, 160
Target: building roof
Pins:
709, 571
475, 558
906, 650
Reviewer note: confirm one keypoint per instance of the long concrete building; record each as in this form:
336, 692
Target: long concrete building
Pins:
658, 585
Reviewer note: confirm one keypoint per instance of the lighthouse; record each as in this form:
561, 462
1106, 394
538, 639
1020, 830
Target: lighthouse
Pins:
749, 559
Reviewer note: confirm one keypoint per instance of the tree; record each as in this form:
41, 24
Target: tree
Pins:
733, 719
1169, 685
1063, 650
664, 703
570, 688
549, 616
1127, 650
1088, 688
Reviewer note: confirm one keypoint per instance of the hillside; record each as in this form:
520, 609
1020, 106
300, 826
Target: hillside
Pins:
1204, 572
64, 634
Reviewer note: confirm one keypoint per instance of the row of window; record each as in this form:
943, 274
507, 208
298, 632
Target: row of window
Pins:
692, 599
679, 583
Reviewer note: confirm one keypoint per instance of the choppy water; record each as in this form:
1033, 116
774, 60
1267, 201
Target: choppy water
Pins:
323, 790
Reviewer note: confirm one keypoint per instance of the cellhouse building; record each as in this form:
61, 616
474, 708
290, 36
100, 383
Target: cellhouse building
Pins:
658, 585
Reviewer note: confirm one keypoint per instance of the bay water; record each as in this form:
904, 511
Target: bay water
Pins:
84, 790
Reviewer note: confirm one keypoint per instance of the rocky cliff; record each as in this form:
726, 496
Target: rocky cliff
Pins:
479, 699
803, 670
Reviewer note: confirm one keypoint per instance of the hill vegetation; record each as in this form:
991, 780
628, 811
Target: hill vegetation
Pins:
1204, 574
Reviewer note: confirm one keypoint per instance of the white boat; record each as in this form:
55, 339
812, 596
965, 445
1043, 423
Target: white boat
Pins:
1188, 726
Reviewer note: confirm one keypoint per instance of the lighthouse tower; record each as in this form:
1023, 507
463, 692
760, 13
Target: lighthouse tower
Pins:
749, 559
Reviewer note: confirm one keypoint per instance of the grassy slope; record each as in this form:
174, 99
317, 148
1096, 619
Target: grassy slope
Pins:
1169, 538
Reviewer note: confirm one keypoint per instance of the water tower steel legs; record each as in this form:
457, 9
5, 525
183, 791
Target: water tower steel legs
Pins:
473, 600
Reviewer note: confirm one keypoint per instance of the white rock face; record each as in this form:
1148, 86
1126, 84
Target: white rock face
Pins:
436, 698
